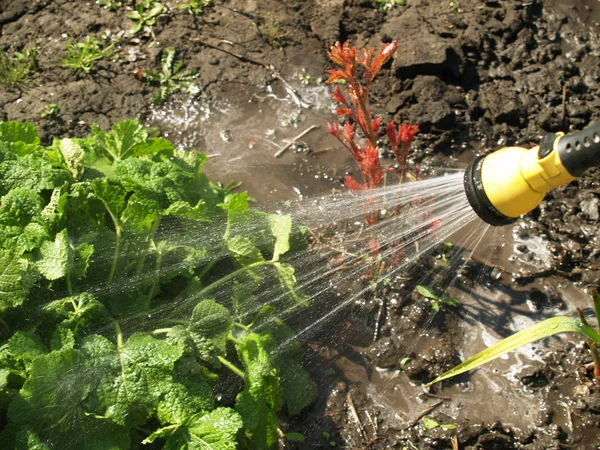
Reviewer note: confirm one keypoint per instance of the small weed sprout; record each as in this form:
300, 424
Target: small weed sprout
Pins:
83, 56
271, 32
386, 5
145, 15
16, 69
110, 4
305, 78
436, 299
50, 111
172, 79
195, 7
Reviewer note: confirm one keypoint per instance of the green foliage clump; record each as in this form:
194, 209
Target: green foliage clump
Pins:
50, 111
83, 56
171, 79
130, 285
195, 7
145, 14
16, 69
386, 5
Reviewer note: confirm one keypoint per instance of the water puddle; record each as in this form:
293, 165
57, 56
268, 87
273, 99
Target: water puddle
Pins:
243, 130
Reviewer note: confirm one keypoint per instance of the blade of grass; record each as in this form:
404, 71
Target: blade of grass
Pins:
548, 327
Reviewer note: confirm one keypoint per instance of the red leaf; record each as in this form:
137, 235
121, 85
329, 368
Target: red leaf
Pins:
343, 112
390, 130
349, 132
375, 125
354, 185
382, 55
406, 133
334, 129
338, 96
335, 74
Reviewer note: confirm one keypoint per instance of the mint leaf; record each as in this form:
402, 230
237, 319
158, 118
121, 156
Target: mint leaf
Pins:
281, 227
132, 378
213, 431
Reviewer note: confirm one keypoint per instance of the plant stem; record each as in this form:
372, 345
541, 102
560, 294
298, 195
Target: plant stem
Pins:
218, 283
161, 331
231, 367
119, 335
69, 286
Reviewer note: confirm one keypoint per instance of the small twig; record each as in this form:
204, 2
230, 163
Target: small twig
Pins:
439, 397
356, 418
274, 72
289, 144
421, 415
373, 424
379, 319
454, 442
282, 438
564, 104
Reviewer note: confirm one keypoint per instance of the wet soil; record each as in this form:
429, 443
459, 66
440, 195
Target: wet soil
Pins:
475, 75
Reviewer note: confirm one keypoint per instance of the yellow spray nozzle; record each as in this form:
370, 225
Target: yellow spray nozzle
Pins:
513, 181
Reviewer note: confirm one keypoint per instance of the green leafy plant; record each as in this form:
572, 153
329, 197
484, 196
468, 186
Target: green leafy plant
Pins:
83, 56
270, 31
429, 423
195, 7
16, 69
172, 78
113, 250
546, 328
385, 5
144, 15
50, 111
436, 299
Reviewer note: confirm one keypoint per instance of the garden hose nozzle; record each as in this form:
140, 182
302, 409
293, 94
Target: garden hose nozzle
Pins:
513, 180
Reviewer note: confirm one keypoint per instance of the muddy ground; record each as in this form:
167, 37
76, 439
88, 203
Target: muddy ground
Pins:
474, 75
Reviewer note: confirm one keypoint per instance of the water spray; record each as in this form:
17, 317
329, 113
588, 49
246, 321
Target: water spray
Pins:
512, 181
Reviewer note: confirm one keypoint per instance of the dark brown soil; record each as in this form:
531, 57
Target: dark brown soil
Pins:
474, 75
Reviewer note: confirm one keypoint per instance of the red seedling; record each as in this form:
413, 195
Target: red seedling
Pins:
354, 106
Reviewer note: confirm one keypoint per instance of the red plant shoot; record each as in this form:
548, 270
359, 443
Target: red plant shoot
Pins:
355, 107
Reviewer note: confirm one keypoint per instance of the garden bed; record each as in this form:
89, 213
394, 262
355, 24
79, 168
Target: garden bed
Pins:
474, 76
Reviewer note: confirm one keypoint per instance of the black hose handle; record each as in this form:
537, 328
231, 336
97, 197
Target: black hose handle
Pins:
580, 151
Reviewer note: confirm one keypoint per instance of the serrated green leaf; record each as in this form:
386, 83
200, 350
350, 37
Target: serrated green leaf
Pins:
112, 196
132, 378
180, 402
27, 439
427, 292
73, 155
19, 132
121, 139
287, 278
281, 227
77, 311
15, 280
26, 346
62, 339
210, 318
56, 258
141, 212
450, 301
51, 403
184, 209
213, 431
262, 397
548, 327
152, 146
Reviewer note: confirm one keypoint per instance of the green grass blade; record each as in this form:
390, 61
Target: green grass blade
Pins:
596, 299
548, 327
